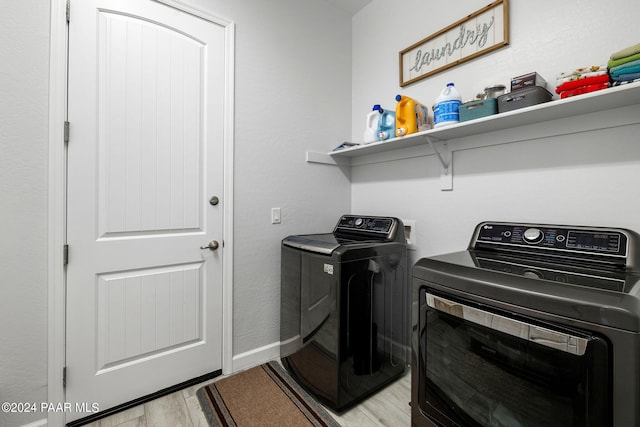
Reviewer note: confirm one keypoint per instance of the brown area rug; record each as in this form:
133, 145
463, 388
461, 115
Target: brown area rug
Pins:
262, 396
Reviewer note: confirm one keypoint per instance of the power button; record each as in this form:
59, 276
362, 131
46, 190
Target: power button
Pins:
533, 235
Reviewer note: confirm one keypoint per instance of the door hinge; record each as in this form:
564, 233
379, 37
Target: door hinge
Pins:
64, 376
68, 12
66, 131
65, 254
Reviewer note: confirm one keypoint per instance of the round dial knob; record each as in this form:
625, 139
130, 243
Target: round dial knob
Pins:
359, 222
533, 235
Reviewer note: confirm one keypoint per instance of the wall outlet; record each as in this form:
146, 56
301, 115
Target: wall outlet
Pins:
276, 217
410, 233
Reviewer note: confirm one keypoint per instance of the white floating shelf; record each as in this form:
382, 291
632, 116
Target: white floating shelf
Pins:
439, 141
606, 99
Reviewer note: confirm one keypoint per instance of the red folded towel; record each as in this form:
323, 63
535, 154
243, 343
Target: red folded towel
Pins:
573, 84
583, 89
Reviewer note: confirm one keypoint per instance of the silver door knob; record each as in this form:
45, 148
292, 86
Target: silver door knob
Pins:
213, 245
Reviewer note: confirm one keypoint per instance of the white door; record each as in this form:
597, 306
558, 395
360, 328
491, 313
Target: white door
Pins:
146, 105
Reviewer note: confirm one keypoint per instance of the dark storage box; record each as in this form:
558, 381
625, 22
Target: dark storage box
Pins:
527, 80
523, 98
477, 109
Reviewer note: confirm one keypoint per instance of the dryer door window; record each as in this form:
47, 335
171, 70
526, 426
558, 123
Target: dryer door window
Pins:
485, 367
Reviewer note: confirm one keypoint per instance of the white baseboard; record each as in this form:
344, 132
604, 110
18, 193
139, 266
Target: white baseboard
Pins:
256, 357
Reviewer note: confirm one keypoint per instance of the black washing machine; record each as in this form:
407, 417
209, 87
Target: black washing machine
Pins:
345, 314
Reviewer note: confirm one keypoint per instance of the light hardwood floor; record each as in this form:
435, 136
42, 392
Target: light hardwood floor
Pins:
387, 408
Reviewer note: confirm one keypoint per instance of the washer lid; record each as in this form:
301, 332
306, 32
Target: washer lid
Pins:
319, 243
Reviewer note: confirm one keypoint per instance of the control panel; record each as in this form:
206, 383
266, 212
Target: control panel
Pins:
367, 224
603, 241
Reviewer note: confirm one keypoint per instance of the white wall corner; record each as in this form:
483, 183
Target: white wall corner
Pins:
256, 357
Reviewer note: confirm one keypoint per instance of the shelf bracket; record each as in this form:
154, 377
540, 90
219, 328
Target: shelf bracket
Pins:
446, 161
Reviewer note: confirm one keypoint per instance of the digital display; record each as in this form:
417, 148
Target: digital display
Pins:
381, 225
608, 242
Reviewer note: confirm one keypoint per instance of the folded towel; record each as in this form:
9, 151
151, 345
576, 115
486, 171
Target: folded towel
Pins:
582, 70
629, 67
615, 62
572, 77
583, 89
626, 77
626, 70
627, 51
623, 66
582, 82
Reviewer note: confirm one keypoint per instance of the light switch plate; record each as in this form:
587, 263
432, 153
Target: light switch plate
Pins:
275, 216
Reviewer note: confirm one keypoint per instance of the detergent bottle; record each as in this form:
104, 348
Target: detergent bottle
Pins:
446, 110
371, 128
386, 125
411, 116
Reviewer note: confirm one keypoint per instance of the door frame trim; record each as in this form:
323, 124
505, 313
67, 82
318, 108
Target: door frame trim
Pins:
56, 224
56, 210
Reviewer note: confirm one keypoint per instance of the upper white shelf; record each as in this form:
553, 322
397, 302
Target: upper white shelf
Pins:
614, 97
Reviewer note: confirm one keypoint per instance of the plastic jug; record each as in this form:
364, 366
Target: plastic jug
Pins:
411, 116
446, 110
386, 125
371, 128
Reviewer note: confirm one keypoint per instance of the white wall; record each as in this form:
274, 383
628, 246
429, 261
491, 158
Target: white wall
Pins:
24, 53
583, 178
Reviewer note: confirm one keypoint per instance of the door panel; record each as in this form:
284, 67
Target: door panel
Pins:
146, 107
144, 313
151, 180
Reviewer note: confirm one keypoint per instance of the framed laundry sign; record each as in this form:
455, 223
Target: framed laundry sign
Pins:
477, 34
